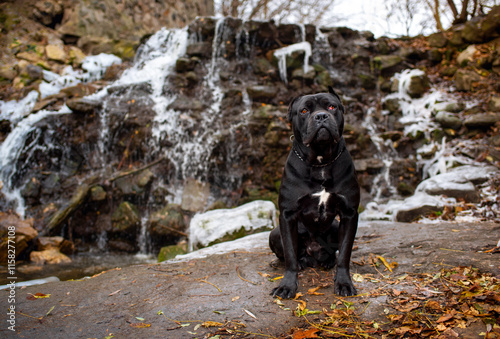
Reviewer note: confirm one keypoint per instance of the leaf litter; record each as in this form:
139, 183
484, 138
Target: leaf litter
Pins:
423, 305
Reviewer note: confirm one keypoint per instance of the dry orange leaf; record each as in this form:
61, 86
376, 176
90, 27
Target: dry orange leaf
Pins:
446, 317
312, 291
302, 334
302, 304
211, 324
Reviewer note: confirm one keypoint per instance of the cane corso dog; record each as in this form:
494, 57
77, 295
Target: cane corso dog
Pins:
319, 195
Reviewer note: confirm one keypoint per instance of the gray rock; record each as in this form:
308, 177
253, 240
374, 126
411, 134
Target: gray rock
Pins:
387, 61
167, 222
195, 195
97, 193
464, 79
467, 55
126, 218
450, 186
262, 93
135, 184
494, 104
418, 205
475, 174
482, 120
419, 84
199, 49
449, 106
83, 105
370, 165
437, 40
448, 120
185, 64
185, 103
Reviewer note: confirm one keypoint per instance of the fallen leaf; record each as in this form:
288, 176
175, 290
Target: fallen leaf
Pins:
312, 291
250, 314
408, 307
386, 264
37, 296
433, 305
235, 298
211, 324
302, 334
441, 327
446, 317
265, 275
140, 325
113, 293
298, 295
357, 277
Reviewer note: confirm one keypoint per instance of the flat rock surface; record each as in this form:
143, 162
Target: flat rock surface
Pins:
172, 300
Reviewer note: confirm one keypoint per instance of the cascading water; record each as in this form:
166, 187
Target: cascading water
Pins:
23, 124
10, 151
417, 118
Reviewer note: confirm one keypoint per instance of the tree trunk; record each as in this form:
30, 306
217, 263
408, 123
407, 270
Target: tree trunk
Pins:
463, 14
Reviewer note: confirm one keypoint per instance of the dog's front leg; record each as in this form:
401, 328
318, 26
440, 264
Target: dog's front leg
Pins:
289, 238
347, 233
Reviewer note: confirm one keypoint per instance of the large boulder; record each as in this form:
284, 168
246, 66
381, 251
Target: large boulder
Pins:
121, 21
260, 93
448, 120
483, 29
195, 195
482, 120
228, 224
465, 79
418, 205
14, 231
126, 218
168, 222
49, 256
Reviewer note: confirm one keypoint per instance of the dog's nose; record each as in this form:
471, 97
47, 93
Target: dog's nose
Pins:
321, 116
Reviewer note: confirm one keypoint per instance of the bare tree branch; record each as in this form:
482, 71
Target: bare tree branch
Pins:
453, 8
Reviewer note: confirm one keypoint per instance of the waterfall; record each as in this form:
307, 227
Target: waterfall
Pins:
12, 148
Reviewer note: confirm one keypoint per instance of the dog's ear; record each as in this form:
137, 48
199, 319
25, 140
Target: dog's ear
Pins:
290, 112
332, 91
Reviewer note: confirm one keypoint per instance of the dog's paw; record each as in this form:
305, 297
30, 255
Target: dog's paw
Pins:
344, 286
284, 292
288, 286
345, 290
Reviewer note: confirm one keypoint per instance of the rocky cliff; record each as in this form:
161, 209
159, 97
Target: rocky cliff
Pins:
198, 120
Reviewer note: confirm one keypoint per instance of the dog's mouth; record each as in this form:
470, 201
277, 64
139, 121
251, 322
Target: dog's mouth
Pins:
321, 136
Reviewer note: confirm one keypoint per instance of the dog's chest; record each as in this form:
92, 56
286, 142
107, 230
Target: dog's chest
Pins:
318, 209
323, 197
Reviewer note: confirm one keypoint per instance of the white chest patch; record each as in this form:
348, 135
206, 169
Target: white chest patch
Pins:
320, 158
323, 197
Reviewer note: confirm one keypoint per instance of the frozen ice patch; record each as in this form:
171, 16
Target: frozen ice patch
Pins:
208, 227
250, 242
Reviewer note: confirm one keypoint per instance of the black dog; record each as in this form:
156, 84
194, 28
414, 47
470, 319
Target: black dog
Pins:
319, 184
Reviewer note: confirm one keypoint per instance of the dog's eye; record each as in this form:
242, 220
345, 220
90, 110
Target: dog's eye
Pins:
304, 111
331, 107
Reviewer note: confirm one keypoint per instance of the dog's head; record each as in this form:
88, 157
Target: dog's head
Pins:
318, 119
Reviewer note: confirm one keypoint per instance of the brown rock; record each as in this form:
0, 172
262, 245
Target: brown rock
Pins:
56, 53
49, 256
